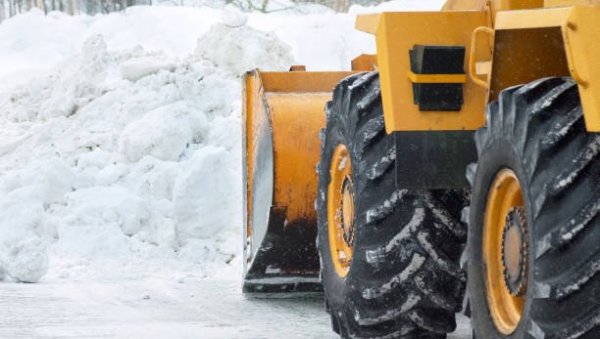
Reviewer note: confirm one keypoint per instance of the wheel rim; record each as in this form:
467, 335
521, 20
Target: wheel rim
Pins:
340, 210
505, 251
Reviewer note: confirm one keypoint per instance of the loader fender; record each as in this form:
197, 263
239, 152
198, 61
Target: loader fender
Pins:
560, 42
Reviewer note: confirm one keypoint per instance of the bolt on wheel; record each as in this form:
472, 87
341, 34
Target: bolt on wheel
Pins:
505, 249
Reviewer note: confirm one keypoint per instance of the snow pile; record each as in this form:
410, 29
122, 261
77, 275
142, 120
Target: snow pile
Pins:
127, 153
233, 17
237, 48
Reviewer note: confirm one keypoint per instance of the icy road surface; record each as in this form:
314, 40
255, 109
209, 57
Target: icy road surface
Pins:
159, 309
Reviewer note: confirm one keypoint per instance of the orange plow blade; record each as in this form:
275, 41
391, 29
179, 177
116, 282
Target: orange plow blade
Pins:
283, 115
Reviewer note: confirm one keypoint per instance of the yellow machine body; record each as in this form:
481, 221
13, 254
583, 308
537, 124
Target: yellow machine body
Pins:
563, 41
506, 43
396, 34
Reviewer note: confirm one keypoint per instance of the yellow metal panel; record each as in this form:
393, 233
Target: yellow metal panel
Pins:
437, 78
560, 41
396, 34
505, 5
566, 3
483, 68
296, 121
296, 103
497, 5
539, 30
301, 82
544, 56
513, 64
582, 36
548, 17
291, 106
368, 23
364, 62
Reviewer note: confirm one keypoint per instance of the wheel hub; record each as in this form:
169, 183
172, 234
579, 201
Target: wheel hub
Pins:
505, 251
348, 211
340, 210
514, 251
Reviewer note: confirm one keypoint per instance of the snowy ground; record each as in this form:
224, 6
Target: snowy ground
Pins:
154, 309
211, 309
120, 178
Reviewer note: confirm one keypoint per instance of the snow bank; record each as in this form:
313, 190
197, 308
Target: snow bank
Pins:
120, 153
121, 135
32, 43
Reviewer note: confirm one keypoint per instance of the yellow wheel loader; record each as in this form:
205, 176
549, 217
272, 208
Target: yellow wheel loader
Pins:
355, 181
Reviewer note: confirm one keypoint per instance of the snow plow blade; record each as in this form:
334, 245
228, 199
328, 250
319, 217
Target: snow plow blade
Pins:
283, 114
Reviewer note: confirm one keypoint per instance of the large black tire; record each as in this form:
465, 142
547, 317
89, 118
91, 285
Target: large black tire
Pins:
537, 130
404, 280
